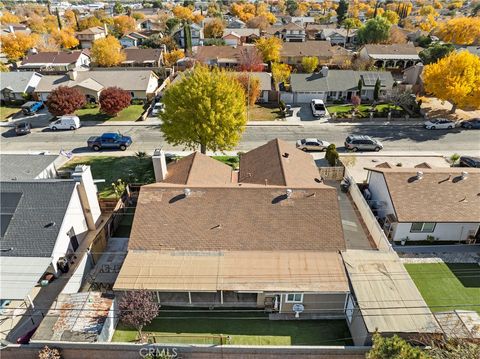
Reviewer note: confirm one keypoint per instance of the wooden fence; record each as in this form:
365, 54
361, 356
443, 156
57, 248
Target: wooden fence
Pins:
332, 173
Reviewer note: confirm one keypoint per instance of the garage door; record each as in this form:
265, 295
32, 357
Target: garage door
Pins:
306, 97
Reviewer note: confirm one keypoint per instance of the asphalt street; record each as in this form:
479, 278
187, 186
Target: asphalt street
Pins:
395, 137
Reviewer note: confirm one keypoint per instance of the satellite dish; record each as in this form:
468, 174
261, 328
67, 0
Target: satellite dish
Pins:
298, 308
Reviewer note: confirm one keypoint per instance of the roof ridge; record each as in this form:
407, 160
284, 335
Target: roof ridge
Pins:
190, 167
277, 141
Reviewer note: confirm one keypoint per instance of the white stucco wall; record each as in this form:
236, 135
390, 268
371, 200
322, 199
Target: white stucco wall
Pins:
442, 231
378, 188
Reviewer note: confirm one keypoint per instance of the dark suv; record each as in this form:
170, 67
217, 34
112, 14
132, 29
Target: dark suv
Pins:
22, 128
468, 161
362, 143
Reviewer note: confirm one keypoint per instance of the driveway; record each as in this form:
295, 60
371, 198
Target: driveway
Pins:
40, 119
303, 113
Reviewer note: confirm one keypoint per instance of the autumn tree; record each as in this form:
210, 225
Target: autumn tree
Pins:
250, 60
138, 16
269, 48
113, 100
70, 18
214, 29
351, 23
391, 16
397, 36
374, 31
280, 73
435, 52
171, 58
138, 308
65, 100
9, 18
123, 24
118, 8
461, 31
251, 86
258, 22
107, 52
16, 45
88, 22
455, 78
65, 38
309, 64
182, 13
206, 108
393, 347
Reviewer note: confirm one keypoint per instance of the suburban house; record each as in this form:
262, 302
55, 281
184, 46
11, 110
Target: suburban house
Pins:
329, 85
292, 53
384, 298
290, 32
195, 242
266, 84
426, 204
341, 36
196, 34
133, 39
413, 75
88, 36
395, 55
222, 56
301, 20
15, 85
141, 84
20, 167
43, 224
143, 57
6, 29
235, 23
147, 24
56, 61
236, 37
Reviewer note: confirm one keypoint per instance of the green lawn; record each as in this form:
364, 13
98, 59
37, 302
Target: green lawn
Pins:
264, 112
232, 161
447, 285
130, 169
362, 108
131, 113
248, 328
6, 112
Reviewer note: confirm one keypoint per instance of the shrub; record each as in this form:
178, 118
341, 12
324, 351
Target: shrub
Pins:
331, 155
454, 158
137, 101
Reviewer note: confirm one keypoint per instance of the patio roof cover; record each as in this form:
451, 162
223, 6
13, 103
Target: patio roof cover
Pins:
20, 274
250, 271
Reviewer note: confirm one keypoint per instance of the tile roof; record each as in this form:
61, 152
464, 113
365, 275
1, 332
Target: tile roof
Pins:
42, 202
440, 196
278, 163
52, 58
23, 167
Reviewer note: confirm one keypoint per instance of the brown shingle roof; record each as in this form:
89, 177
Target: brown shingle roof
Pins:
53, 57
206, 53
198, 169
393, 49
92, 31
312, 48
440, 196
278, 163
237, 218
142, 55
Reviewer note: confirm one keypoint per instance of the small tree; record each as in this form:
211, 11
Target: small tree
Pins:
356, 101
113, 100
137, 309
394, 347
454, 158
309, 64
251, 86
360, 86
331, 155
280, 73
376, 90
65, 100
214, 29
250, 60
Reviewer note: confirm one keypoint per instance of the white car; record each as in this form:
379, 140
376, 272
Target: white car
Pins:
66, 122
312, 144
318, 108
439, 123
158, 108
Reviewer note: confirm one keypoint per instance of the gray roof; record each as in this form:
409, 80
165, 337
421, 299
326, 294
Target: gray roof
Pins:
18, 82
35, 221
23, 167
338, 80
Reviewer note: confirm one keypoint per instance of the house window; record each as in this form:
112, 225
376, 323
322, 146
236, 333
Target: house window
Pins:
422, 227
332, 94
294, 298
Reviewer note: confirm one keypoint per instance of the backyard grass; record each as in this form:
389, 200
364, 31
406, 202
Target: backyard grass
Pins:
247, 328
264, 112
130, 169
447, 284
232, 161
131, 113
6, 112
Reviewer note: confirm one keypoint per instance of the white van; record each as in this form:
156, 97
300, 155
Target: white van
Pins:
67, 122
318, 108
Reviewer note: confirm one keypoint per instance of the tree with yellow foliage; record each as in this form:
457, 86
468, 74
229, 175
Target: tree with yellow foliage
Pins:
16, 45
309, 64
182, 13
138, 16
198, 18
214, 29
269, 48
391, 16
65, 38
9, 18
69, 17
123, 25
428, 24
171, 58
437, 5
88, 22
107, 52
461, 31
455, 78
280, 73
427, 10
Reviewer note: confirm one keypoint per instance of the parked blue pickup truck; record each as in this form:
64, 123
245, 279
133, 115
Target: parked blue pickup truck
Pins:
109, 141
31, 107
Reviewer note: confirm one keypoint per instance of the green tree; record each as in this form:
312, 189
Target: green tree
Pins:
351, 23
376, 89
360, 86
331, 155
187, 34
342, 11
309, 64
393, 348
435, 52
207, 109
292, 6
374, 31
117, 8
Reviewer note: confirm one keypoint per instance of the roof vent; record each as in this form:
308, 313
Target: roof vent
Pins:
187, 192
419, 175
50, 224
289, 193
464, 175
286, 154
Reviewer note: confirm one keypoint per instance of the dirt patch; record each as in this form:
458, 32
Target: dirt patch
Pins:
433, 107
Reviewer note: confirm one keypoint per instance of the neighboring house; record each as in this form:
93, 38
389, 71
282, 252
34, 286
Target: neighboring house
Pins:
15, 85
88, 36
292, 53
7, 29
222, 56
56, 61
133, 39
301, 20
384, 299
313, 29
43, 221
196, 35
62, 323
147, 24
266, 85
18, 167
329, 85
271, 219
413, 74
235, 24
235, 37
395, 55
426, 204
141, 84
143, 57
290, 32
339, 36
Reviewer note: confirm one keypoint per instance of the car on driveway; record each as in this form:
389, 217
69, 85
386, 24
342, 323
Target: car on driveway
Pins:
318, 108
22, 128
109, 141
312, 144
472, 123
468, 161
362, 143
439, 124
158, 108
30, 108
